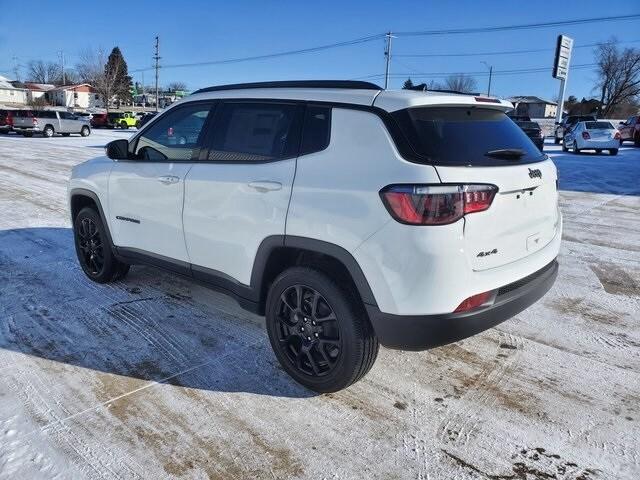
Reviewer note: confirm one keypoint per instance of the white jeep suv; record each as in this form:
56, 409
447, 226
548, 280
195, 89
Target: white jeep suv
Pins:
345, 214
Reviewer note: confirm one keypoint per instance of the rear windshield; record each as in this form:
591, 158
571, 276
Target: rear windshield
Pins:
598, 126
463, 136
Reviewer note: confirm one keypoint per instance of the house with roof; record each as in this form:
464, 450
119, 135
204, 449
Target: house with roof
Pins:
81, 95
11, 95
534, 107
36, 91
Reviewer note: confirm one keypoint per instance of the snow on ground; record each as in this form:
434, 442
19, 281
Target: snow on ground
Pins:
158, 377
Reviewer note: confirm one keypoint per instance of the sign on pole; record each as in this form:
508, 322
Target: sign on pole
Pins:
564, 46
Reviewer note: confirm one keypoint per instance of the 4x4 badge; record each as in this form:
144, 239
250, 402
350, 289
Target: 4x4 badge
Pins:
535, 173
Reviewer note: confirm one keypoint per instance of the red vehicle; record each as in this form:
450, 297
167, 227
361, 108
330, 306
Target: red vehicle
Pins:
630, 130
6, 120
100, 120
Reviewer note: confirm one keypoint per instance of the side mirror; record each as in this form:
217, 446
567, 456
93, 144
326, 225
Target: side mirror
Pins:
622, 123
118, 149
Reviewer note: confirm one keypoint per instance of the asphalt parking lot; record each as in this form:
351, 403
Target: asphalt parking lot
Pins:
158, 377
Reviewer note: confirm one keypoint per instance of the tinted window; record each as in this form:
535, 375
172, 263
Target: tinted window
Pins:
255, 132
45, 114
317, 129
598, 126
463, 136
529, 125
175, 136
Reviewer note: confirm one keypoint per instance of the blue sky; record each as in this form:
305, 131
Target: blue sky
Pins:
194, 31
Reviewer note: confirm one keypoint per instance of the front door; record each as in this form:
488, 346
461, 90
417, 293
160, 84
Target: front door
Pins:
146, 193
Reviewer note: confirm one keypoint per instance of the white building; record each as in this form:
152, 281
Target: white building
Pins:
10, 94
37, 90
75, 96
534, 107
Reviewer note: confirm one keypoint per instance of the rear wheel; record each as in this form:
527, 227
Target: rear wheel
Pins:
613, 151
575, 147
48, 131
556, 140
93, 248
124, 125
319, 331
564, 147
85, 131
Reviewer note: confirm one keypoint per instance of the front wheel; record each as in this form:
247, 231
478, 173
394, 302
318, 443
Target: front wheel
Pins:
556, 140
575, 147
85, 131
319, 331
564, 147
613, 151
93, 248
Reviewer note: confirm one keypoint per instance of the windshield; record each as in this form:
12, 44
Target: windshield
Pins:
598, 126
464, 136
531, 125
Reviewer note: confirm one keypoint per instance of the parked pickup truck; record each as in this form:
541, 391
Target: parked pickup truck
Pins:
50, 122
630, 130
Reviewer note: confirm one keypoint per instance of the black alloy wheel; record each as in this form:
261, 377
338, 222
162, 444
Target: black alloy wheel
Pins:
308, 330
91, 245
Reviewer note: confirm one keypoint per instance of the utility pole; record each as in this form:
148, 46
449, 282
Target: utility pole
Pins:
387, 54
490, 67
156, 57
16, 68
61, 54
144, 98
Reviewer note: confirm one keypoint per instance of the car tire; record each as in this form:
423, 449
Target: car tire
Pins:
94, 250
636, 141
319, 330
564, 147
124, 126
85, 131
598, 151
556, 140
575, 147
48, 131
613, 151
138, 124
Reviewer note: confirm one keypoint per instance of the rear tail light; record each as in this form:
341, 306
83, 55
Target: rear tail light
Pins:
586, 135
475, 301
617, 136
34, 120
436, 204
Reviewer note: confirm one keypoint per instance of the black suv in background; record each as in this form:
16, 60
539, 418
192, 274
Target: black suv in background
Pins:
567, 123
533, 131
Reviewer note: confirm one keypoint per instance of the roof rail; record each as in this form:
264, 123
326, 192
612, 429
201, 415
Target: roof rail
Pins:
344, 84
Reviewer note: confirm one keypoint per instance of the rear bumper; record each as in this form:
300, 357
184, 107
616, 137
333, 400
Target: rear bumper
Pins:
420, 332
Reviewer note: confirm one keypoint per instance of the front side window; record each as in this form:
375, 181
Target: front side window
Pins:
255, 132
174, 136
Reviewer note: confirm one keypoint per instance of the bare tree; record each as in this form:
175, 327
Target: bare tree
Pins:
43, 72
618, 76
460, 83
94, 69
176, 86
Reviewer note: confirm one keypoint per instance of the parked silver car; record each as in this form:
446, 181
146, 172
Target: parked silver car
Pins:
50, 122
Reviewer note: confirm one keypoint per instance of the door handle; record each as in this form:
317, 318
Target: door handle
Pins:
168, 179
264, 186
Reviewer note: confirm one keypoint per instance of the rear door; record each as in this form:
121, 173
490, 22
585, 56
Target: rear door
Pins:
238, 193
146, 193
471, 145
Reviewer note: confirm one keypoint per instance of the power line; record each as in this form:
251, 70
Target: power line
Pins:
503, 52
273, 55
525, 26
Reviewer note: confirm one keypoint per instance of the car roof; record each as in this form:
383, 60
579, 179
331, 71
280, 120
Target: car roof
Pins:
342, 91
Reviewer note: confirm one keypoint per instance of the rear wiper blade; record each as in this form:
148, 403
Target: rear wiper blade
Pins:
507, 153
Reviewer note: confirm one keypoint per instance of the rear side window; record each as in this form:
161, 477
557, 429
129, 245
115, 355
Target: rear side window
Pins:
464, 136
317, 129
255, 132
598, 126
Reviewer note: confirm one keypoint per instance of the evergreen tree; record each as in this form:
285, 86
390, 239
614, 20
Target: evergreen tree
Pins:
116, 68
408, 84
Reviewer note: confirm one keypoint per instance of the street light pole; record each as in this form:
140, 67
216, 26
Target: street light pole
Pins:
387, 53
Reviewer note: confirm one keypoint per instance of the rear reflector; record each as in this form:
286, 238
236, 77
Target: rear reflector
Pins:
475, 301
436, 204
